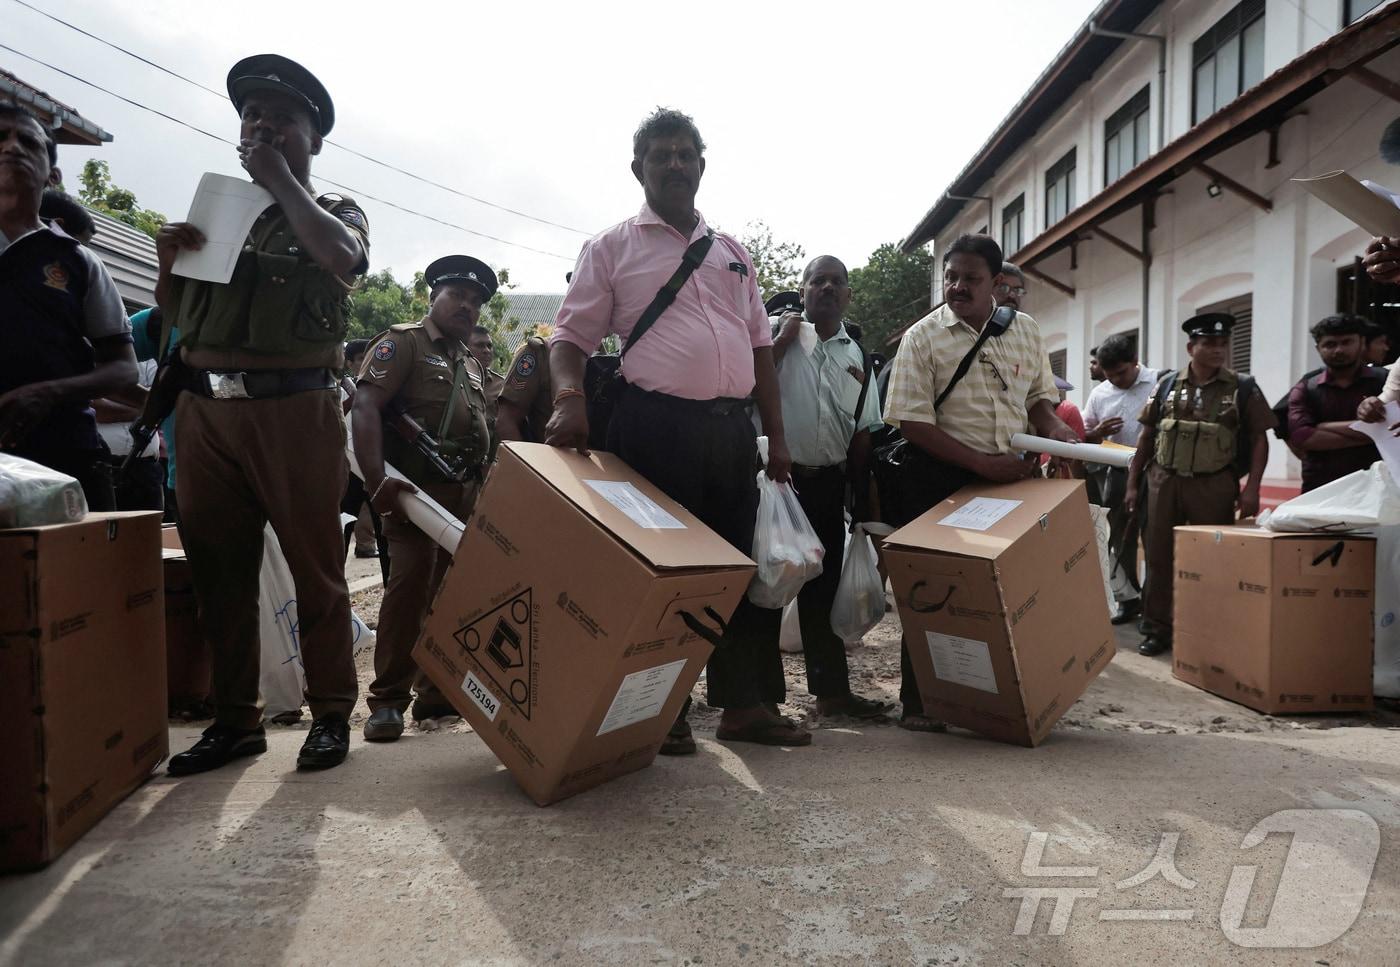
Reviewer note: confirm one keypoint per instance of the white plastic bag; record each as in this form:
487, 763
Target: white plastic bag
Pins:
790, 631
785, 547
1367, 498
1110, 573
1387, 612
860, 595
282, 679
32, 495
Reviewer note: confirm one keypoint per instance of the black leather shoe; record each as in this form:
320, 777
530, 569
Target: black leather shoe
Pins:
326, 744
385, 725
1153, 646
1127, 611
219, 745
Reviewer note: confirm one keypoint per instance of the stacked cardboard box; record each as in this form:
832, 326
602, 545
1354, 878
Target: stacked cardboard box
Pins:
82, 677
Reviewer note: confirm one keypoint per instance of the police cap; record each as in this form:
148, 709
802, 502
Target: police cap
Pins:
461, 268
783, 302
273, 72
1209, 324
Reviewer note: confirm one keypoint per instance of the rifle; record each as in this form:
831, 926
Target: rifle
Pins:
165, 389
414, 433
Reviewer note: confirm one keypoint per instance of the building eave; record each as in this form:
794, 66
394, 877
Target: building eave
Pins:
65, 124
1072, 67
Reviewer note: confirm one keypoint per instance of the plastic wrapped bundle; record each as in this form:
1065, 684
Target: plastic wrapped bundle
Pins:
32, 495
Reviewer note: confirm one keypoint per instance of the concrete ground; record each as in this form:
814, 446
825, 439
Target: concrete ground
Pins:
875, 845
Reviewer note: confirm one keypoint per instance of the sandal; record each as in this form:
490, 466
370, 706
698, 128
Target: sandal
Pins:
921, 723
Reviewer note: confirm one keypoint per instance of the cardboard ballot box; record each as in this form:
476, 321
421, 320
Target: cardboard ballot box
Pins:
1001, 597
1275, 621
82, 677
559, 633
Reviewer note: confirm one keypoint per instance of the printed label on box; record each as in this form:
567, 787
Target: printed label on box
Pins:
962, 661
641, 696
643, 511
980, 513
481, 696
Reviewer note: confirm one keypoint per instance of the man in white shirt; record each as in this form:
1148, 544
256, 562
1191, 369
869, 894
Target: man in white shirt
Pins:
828, 413
1110, 414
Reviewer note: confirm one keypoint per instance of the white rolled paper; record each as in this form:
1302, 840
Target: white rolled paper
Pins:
1088, 452
424, 512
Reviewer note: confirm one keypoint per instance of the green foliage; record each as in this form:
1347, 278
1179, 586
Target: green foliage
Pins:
381, 301
99, 194
890, 291
777, 264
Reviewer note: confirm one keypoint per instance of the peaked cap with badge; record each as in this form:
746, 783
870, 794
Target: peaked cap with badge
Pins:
273, 72
1209, 324
461, 268
783, 302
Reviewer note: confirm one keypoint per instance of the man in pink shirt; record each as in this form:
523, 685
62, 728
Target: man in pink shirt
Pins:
683, 420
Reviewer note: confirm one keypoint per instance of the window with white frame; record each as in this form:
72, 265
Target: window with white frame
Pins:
1125, 137
1227, 59
1013, 220
1059, 189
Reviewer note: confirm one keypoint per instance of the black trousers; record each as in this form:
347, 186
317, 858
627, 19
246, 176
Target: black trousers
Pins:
90, 467
703, 454
935, 483
822, 494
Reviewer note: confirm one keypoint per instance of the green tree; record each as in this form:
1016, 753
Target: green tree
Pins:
890, 291
381, 301
99, 194
777, 264
496, 317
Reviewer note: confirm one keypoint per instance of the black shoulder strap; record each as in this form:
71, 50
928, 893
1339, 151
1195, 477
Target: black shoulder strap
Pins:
965, 364
1165, 387
694, 255
864, 386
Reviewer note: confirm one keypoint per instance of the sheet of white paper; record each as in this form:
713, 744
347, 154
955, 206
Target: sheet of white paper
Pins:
962, 661
641, 696
224, 209
1386, 441
643, 511
980, 513
1367, 207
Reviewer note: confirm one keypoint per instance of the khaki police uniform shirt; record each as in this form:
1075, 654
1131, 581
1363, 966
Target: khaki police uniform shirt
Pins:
272, 232
527, 385
415, 365
1201, 401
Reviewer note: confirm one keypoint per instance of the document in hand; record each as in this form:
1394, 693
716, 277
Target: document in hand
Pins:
1371, 206
1386, 441
224, 209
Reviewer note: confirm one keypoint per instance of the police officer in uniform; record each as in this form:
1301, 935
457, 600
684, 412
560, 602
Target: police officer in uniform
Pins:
259, 425
426, 370
526, 401
1190, 438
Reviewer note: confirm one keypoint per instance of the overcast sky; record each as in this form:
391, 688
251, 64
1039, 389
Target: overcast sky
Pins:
837, 124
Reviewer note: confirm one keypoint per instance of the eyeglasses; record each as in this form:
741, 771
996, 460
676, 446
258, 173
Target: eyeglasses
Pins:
1005, 289
986, 358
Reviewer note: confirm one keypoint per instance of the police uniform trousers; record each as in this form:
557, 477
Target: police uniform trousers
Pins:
245, 463
1173, 501
822, 493
704, 455
417, 567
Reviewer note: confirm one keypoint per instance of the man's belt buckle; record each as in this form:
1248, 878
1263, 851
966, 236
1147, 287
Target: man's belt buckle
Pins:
227, 386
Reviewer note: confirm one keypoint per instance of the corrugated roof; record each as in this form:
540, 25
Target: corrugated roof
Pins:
130, 257
66, 124
531, 309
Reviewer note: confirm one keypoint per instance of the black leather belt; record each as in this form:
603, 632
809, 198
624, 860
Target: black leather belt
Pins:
257, 384
799, 471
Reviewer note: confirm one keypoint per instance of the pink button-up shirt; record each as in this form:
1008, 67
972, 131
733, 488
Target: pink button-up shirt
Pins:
701, 347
